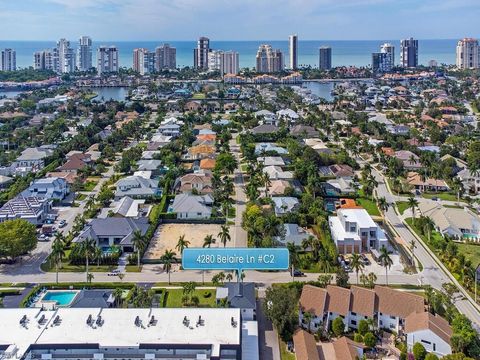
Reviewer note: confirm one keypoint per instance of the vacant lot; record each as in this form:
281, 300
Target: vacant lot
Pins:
167, 235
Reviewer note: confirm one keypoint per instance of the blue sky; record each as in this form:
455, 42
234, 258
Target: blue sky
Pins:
238, 19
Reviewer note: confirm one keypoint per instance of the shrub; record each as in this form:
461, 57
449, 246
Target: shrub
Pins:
358, 338
431, 356
363, 327
419, 351
338, 327
369, 340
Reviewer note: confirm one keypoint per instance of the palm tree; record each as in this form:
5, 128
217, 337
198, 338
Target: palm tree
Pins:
98, 253
383, 205
168, 258
266, 182
118, 295
229, 277
428, 226
356, 264
386, 260
307, 317
292, 249
372, 279
224, 235
457, 186
412, 204
58, 252
208, 241
87, 247
182, 244
413, 246
138, 242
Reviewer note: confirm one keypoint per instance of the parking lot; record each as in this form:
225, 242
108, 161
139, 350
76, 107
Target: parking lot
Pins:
396, 269
167, 235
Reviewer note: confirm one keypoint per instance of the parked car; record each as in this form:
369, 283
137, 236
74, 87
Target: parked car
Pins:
42, 237
365, 260
297, 273
62, 223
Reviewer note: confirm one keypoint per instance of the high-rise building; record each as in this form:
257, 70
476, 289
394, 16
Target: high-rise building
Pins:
293, 51
380, 62
215, 60
84, 53
269, 60
325, 58
66, 57
432, 63
141, 61
8, 60
165, 57
107, 59
389, 50
46, 60
200, 53
468, 55
231, 62
409, 53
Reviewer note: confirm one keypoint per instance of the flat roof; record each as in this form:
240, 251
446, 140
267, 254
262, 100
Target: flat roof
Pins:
119, 327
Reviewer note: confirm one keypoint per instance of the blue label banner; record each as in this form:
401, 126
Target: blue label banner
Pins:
235, 259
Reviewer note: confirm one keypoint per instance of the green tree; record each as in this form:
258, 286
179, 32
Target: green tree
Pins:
17, 237
57, 254
370, 340
182, 244
385, 260
412, 204
431, 356
341, 277
87, 248
338, 327
225, 163
280, 307
168, 258
208, 241
224, 235
419, 351
139, 243
363, 327
356, 264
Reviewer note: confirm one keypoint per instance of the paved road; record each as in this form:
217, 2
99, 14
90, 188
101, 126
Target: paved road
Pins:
432, 274
240, 236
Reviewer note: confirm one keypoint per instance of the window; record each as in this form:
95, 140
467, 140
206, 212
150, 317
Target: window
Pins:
426, 342
353, 322
434, 347
392, 317
353, 314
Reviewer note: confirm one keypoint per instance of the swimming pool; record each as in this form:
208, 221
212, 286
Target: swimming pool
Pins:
61, 298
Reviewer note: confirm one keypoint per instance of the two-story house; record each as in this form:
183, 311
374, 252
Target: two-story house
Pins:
51, 188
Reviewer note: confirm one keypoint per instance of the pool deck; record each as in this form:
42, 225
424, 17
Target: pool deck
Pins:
51, 304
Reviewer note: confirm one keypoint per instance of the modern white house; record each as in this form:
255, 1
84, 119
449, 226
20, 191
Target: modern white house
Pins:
188, 206
52, 188
470, 181
285, 204
354, 231
433, 332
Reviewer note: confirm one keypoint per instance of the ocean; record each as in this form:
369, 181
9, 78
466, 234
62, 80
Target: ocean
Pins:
344, 52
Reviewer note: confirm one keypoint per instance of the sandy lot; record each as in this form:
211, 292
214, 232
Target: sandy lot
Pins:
167, 235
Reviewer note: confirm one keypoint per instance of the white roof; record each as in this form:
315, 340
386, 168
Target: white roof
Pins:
359, 216
338, 231
119, 328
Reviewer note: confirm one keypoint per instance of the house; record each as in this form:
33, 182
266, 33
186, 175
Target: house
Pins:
188, 206
137, 187
277, 173
457, 223
200, 152
75, 162
207, 164
303, 131
128, 207
285, 204
292, 233
171, 129
239, 295
433, 332
305, 346
67, 176
113, 231
470, 180
50, 188
354, 231
265, 129
5, 181
409, 159
33, 209
347, 349
336, 170
318, 145
277, 187
430, 184
262, 148
31, 160
388, 307
288, 115
266, 118
339, 187
150, 165
271, 160
201, 182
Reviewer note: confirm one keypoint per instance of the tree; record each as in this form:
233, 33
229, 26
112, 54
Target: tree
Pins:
413, 246
208, 241
182, 244
341, 277
431, 356
363, 327
324, 280
412, 204
168, 258
58, 252
356, 264
17, 237
87, 248
338, 327
369, 340
280, 307
383, 205
138, 242
419, 351
292, 249
385, 260
225, 163
224, 235
307, 317
118, 295
428, 226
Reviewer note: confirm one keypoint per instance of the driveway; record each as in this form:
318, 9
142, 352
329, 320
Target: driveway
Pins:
267, 336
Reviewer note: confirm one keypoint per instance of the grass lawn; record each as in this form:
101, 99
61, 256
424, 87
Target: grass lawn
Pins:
434, 236
89, 185
369, 205
441, 195
133, 268
402, 206
390, 185
471, 252
284, 353
174, 298
80, 197
199, 96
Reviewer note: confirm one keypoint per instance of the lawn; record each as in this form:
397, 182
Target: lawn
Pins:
402, 206
89, 185
471, 252
174, 297
284, 353
80, 197
441, 195
199, 96
369, 205
434, 236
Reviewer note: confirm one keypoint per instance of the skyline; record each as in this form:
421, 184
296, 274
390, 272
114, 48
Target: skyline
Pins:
187, 19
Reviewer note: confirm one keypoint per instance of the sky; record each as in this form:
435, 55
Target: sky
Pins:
238, 19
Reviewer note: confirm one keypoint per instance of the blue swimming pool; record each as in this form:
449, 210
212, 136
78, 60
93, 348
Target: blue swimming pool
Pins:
62, 298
